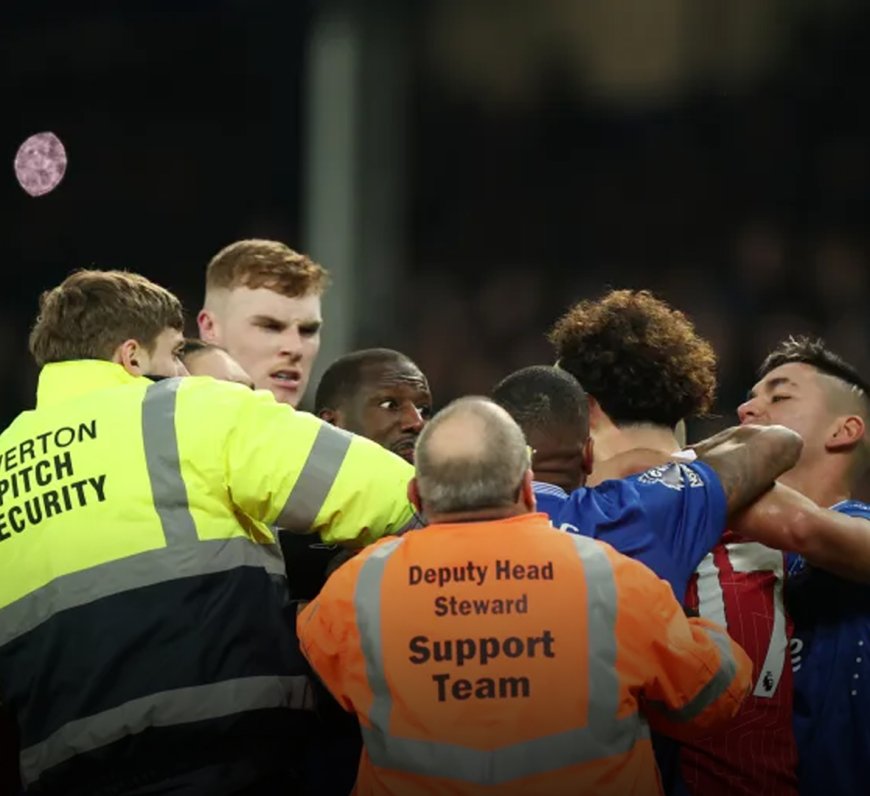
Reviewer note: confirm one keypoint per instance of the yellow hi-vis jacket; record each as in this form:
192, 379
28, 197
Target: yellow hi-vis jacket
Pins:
510, 658
144, 619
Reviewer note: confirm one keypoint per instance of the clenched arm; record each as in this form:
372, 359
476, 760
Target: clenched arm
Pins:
786, 520
694, 676
290, 469
748, 459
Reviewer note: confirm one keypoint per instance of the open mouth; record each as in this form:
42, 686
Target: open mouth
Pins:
289, 379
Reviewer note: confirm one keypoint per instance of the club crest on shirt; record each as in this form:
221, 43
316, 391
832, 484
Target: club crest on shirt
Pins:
671, 475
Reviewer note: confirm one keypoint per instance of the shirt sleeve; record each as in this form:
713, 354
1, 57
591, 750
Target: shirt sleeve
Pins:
291, 469
550, 500
328, 634
692, 674
688, 502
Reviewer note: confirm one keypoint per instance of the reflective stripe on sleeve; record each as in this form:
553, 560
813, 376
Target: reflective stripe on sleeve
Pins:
603, 736
318, 474
713, 689
168, 708
164, 466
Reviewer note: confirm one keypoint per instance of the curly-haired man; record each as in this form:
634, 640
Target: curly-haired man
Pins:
645, 370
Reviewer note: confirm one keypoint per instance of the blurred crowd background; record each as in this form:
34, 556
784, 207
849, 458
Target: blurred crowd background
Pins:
465, 168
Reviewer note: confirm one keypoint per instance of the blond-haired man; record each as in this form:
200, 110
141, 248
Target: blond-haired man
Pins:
262, 304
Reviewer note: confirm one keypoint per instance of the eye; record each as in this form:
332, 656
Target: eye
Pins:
425, 411
389, 404
777, 398
269, 326
309, 330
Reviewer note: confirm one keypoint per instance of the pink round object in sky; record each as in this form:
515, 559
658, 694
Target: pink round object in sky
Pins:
40, 163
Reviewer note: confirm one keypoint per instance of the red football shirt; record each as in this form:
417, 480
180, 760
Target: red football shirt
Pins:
739, 585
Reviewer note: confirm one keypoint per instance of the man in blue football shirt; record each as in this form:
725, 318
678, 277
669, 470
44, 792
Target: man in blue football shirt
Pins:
806, 387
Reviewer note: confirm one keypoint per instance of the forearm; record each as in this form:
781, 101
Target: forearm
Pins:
787, 520
777, 519
722, 675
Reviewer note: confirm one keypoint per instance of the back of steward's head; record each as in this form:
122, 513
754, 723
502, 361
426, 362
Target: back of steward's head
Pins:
90, 313
472, 455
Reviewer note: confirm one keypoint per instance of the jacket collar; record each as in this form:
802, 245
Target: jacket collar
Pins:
63, 381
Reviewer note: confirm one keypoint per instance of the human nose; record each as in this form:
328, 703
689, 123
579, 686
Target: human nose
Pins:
748, 411
412, 419
291, 343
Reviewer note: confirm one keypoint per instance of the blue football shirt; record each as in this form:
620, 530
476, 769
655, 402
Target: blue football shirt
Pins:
668, 517
830, 656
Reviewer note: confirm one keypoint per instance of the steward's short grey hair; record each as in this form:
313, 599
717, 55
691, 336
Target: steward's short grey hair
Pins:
471, 455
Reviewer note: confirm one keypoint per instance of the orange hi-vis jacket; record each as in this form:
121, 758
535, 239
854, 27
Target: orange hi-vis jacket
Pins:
507, 657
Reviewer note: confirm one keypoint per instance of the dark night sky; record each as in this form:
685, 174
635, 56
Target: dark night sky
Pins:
181, 124
180, 121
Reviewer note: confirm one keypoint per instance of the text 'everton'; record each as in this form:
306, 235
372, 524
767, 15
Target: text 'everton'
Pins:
38, 479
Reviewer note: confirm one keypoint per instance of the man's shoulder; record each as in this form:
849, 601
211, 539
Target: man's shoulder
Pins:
226, 403
661, 484
379, 551
677, 475
550, 490
207, 386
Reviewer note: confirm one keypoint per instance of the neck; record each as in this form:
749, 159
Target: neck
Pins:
475, 515
613, 440
824, 484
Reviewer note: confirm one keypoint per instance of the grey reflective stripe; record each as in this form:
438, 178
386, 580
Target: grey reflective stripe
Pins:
603, 736
134, 572
316, 479
499, 766
714, 688
367, 601
601, 601
165, 709
164, 467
